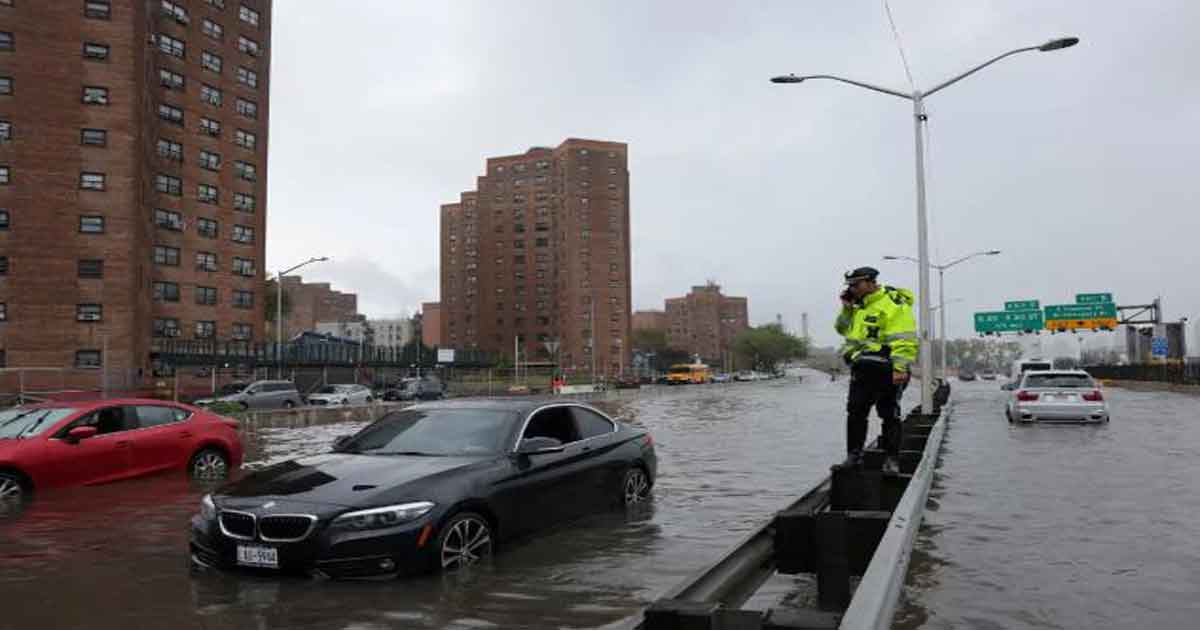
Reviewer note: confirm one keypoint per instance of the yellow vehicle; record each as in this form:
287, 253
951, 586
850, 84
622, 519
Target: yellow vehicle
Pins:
689, 373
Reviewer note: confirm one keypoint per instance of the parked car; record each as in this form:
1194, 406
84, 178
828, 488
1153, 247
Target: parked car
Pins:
416, 389
1071, 396
628, 382
436, 486
722, 378
341, 395
966, 375
260, 395
74, 443
988, 375
744, 376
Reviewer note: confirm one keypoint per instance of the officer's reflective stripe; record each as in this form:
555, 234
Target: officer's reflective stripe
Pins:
901, 362
899, 336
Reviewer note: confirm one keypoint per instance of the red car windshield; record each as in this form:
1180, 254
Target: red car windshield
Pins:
21, 422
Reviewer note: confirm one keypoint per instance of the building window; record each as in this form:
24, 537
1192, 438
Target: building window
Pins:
244, 202
98, 52
3, 311
93, 137
210, 161
5, 131
243, 234
243, 266
91, 268
219, 4
172, 46
171, 80
170, 114
3, 265
245, 170
172, 10
208, 194
164, 255
210, 95
93, 95
210, 61
248, 46
206, 261
3, 219
168, 185
207, 228
166, 291
247, 77
166, 327
88, 313
248, 15
5, 175
206, 296
206, 330
88, 358
243, 299
170, 150
91, 224
6, 86
243, 332
168, 219
213, 30
245, 139
210, 127
249, 109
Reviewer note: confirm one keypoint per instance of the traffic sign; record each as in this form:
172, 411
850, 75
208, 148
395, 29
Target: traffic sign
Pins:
1022, 305
1062, 325
1158, 347
1081, 311
1008, 321
1093, 298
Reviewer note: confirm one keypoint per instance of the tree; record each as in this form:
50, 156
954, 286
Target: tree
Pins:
765, 347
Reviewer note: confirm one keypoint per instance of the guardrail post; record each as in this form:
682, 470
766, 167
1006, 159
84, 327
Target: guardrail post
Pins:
833, 567
674, 614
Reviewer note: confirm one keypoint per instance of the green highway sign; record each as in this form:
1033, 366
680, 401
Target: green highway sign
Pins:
1093, 298
1022, 305
1082, 311
1008, 321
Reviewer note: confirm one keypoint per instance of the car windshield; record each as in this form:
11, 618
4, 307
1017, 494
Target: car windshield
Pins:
330, 389
232, 388
434, 432
29, 421
1065, 381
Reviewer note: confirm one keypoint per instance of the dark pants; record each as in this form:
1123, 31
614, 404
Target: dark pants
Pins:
871, 386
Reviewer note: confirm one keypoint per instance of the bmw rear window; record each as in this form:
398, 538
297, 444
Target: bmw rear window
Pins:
1057, 381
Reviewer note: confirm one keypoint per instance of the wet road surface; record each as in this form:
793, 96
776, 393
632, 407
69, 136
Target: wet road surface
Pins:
729, 457
1062, 526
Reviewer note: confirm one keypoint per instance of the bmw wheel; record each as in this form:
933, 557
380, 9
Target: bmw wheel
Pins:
209, 464
635, 489
466, 539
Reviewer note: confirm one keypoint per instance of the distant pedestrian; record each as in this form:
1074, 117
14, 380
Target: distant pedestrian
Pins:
881, 345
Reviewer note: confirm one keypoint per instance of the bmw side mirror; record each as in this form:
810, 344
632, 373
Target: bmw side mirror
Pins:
539, 446
341, 442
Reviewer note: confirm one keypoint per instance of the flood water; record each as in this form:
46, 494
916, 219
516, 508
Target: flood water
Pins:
729, 457
1062, 526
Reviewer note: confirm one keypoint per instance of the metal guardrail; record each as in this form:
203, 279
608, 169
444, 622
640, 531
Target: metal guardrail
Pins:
1179, 373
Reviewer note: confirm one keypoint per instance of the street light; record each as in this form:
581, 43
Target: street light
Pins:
942, 293
279, 309
918, 100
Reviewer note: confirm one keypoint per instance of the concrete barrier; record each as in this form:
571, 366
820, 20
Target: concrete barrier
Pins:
314, 415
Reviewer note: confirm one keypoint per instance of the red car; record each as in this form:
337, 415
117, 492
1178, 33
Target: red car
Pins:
91, 442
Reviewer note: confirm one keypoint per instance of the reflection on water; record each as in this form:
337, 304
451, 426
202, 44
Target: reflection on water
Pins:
1062, 526
729, 456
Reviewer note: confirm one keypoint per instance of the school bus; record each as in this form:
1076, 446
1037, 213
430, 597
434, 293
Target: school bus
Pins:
685, 373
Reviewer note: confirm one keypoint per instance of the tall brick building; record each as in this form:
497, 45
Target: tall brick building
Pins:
539, 252
704, 322
133, 160
650, 320
307, 304
431, 324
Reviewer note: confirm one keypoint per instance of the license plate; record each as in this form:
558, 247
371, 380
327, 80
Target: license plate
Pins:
1063, 397
255, 556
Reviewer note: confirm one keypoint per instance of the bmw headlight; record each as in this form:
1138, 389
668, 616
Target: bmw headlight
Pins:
208, 509
387, 516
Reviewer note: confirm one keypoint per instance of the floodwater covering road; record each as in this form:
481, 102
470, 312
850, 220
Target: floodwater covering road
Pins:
729, 456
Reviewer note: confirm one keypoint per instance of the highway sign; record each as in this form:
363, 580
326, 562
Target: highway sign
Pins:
1158, 347
1022, 305
1081, 311
1081, 324
1008, 321
1093, 298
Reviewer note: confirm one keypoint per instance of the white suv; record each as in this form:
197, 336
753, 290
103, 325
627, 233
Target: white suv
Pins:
1067, 396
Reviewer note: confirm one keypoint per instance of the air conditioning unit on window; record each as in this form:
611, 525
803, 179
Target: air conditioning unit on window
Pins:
89, 317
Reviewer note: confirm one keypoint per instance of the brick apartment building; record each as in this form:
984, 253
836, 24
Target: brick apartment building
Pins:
431, 324
133, 160
650, 320
539, 252
704, 322
310, 303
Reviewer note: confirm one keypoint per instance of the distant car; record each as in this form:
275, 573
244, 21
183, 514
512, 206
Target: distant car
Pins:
628, 382
988, 375
77, 443
416, 389
722, 378
744, 376
434, 487
966, 375
259, 395
1052, 396
341, 395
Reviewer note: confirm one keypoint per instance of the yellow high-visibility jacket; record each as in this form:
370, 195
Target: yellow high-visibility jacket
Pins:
883, 319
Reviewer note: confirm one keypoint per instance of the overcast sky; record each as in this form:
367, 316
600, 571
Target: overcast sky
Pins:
1081, 165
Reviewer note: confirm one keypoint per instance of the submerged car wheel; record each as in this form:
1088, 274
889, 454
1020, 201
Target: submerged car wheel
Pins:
12, 491
209, 464
287, 404
636, 487
465, 540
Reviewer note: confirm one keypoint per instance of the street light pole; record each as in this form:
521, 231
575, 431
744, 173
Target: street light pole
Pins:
917, 98
279, 311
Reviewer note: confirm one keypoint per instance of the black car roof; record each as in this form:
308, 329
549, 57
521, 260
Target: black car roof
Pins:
518, 405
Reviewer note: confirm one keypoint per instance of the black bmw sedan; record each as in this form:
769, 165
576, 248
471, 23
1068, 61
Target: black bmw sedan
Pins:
436, 486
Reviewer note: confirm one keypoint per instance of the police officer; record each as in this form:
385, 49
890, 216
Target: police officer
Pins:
881, 345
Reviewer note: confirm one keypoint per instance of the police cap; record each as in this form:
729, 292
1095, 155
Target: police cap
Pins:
862, 273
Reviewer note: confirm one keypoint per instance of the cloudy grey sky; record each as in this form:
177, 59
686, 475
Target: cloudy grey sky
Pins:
1080, 164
